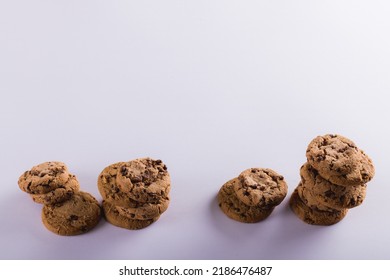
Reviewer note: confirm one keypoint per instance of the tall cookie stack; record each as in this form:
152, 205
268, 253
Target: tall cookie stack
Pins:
66, 210
135, 193
333, 180
253, 195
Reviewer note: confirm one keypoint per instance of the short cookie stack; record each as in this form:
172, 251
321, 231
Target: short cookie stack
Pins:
66, 210
135, 193
253, 195
333, 180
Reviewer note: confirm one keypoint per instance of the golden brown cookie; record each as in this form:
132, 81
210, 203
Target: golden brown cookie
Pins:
338, 160
44, 177
75, 216
261, 187
236, 209
328, 194
140, 211
59, 194
313, 216
113, 216
305, 192
123, 202
107, 184
144, 179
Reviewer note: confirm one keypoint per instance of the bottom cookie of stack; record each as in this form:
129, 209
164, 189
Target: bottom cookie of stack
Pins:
236, 209
77, 215
118, 219
313, 215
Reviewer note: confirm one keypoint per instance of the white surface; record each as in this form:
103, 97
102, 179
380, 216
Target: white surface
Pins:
211, 88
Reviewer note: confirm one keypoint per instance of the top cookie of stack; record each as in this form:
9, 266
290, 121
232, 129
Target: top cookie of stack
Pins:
332, 181
338, 160
252, 196
135, 193
49, 183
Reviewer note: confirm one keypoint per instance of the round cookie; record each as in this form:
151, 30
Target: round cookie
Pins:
61, 193
75, 216
113, 216
140, 211
306, 195
123, 202
313, 216
44, 177
236, 209
261, 187
338, 160
331, 195
107, 184
144, 179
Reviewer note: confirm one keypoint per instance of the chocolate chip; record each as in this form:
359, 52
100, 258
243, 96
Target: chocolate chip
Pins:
73, 217
320, 157
136, 179
329, 193
124, 171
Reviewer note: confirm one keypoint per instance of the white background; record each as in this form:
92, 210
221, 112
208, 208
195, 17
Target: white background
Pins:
211, 88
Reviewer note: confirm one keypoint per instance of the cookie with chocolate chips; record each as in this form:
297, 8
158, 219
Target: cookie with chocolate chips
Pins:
312, 215
338, 160
305, 193
74, 216
107, 184
44, 177
59, 194
123, 201
235, 209
261, 187
329, 194
144, 180
114, 217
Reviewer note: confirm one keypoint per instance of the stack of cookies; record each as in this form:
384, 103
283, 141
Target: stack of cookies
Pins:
252, 196
66, 210
135, 193
333, 180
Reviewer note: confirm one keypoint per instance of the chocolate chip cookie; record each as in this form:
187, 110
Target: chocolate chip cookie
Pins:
122, 201
261, 187
238, 210
329, 194
59, 194
44, 177
144, 179
114, 217
313, 216
338, 160
305, 192
75, 216
107, 184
